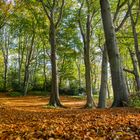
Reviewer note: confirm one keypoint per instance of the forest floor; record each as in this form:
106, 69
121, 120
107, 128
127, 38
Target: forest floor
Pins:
28, 118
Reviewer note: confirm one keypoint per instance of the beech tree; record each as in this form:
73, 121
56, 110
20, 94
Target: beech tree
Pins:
86, 33
118, 81
54, 12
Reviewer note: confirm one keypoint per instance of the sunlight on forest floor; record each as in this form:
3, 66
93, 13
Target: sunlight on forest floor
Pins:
27, 118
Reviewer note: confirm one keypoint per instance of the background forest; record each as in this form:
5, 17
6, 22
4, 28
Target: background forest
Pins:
59, 47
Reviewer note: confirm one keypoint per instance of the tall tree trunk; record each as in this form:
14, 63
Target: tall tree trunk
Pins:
50, 8
86, 36
89, 103
103, 86
118, 81
54, 98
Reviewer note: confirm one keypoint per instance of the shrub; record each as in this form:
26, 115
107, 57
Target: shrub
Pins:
134, 100
38, 93
15, 94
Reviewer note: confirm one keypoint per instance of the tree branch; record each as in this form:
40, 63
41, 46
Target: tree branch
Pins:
60, 14
44, 7
80, 24
125, 17
129, 71
119, 6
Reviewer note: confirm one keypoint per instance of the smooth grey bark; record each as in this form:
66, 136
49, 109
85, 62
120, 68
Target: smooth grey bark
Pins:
103, 86
120, 90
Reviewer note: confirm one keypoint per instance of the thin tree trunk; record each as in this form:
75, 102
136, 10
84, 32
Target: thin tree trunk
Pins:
44, 69
79, 74
5, 74
5, 52
135, 71
26, 80
89, 102
27, 65
108, 92
118, 81
20, 61
86, 36
135, 36
103, 86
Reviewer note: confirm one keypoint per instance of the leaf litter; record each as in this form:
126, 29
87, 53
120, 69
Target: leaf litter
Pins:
22, 121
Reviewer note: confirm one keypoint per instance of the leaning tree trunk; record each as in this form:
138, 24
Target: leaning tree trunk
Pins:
118, 81
103, 86
54, 97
